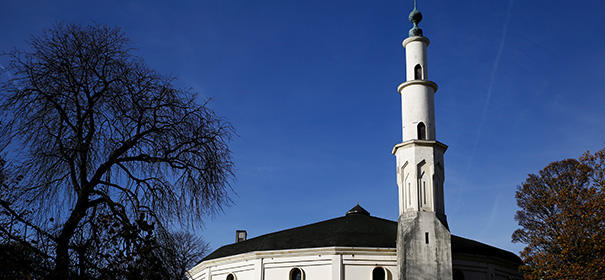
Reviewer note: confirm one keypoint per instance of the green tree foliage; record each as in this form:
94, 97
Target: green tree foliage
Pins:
108, 153
562, 220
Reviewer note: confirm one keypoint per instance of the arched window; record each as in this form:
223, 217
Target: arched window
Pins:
417, 72
231, 277
297, 274
458, 275
421, 131
378, 274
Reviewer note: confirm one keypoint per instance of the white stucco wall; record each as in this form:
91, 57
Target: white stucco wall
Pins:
360, 267
332, 263
337, 263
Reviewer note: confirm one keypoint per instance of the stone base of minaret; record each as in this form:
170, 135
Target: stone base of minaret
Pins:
424, 247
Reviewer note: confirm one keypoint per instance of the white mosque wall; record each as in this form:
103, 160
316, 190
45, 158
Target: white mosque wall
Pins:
339, 263
332, 263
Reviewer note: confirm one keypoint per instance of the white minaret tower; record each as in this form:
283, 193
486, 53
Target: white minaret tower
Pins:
423, 237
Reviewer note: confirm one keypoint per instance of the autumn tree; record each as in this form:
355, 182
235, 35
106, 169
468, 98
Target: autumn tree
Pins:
562, 220
108, 152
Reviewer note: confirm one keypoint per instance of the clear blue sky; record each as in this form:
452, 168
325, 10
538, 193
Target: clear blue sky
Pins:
311, 88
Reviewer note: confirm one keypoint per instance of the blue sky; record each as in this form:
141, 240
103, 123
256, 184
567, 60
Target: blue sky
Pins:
311, 85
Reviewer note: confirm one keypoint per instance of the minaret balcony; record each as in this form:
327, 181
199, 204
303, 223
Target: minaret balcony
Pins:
417, 82
416, 142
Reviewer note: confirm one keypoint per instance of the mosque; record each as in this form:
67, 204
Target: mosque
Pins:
358, 246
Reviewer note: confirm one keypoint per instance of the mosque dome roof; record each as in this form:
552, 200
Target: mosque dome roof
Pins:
356, 229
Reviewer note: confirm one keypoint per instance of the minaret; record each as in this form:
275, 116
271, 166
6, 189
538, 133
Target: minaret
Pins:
423, 237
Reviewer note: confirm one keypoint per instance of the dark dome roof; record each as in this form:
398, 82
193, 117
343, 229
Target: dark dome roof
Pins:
358, 210
351, 231
356, 229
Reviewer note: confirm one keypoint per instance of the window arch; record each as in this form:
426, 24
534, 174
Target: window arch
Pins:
421, 131
297, 274
379, 274
458, 275
417, 72
231, 276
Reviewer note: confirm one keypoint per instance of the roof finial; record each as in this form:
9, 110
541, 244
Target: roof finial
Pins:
415, 17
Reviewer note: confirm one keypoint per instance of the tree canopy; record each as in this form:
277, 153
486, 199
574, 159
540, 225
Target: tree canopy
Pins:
562, 220
106, 150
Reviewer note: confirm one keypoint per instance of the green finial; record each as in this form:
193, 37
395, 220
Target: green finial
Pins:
415, 17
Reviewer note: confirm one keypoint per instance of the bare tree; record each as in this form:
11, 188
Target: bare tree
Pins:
179, 251
108, 149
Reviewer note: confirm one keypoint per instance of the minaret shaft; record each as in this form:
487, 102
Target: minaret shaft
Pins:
423, 237
420, 168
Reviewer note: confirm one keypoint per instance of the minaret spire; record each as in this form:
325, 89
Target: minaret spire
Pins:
423, 237
415, 18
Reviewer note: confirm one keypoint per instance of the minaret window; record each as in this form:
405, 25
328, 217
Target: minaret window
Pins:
417, 72
421, 131
424, 191
231, 277
409, 194
378, 274
296, 274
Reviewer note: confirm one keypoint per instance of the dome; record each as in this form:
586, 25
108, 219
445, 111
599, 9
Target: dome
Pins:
356, 229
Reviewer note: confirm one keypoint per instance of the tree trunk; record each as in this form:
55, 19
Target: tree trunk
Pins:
62, 250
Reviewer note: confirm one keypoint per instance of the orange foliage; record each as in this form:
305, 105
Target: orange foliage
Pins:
562, 220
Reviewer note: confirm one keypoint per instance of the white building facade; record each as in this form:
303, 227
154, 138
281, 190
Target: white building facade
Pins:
317, 263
